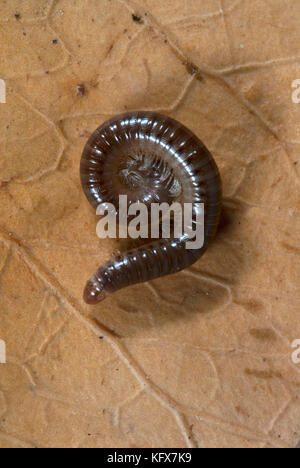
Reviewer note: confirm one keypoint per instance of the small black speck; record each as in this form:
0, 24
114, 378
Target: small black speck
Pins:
296, 162
89, 435
24, 34
191, 68
47, 72
17, 16
100, 337
54, 41
136, 18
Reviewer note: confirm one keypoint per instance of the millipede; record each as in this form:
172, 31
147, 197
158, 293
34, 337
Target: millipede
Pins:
151, 158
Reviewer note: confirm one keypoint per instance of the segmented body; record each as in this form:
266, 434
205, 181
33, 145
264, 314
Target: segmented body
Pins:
151, 158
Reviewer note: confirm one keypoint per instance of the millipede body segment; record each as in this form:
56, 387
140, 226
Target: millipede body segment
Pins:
151, 158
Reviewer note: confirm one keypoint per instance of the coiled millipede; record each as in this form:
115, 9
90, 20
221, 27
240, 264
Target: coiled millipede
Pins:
150, 158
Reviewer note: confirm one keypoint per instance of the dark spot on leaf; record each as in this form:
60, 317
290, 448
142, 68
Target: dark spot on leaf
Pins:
81, 90
136, 18
192, 69
263, 334
263, 374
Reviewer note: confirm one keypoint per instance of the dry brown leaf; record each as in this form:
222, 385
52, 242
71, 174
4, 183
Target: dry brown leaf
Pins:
205, 354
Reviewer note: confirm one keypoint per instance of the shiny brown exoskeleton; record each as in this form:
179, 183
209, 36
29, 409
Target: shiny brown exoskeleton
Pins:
151, 158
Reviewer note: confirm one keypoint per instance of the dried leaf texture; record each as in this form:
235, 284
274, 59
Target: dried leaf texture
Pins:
199, 359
